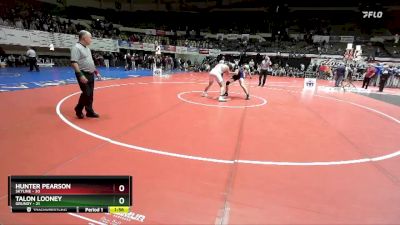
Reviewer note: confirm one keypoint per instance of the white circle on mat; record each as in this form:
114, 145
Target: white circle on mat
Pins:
263, 101
227, 161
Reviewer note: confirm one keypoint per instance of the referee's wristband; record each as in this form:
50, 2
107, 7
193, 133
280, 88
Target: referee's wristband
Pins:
79, 74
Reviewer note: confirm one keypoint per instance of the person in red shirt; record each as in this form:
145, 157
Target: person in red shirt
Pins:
324, 71
368, 75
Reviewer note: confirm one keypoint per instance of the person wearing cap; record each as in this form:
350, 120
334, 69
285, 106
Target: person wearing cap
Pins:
85, 71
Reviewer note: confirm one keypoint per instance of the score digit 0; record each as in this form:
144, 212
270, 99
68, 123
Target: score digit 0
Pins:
121, 188
121, 201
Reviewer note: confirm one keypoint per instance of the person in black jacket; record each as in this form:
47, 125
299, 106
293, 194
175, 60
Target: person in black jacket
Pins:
387, 72
340, 72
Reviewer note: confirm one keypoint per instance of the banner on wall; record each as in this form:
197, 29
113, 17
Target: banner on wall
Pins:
204, 51
192, 50
334, 62
297, 36
161, 32
320, 38
170, 33
377, 39
214, 52
123, 44
137, 45
347, 39
334, 38
151, 31
170, 48
180, 49
232, 36
149, 47
265, 35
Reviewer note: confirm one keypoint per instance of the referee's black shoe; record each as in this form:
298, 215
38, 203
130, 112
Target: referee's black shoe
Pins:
92, 115
78, 113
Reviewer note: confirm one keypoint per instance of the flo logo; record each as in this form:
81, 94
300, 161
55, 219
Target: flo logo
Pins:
372, 14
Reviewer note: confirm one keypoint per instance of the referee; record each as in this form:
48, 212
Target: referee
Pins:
82, 62
265, 70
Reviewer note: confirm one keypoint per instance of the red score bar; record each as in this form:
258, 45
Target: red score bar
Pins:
77, 185
88, 189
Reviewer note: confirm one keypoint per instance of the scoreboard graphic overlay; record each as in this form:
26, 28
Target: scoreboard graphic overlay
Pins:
77, 194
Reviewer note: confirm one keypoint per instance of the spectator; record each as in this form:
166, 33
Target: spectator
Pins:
107, 59
32, 25
22, 60
31, 53
128, 59
386, 73
340, 73
18, 24
7, 22
368, 75
45, 27
11, 61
